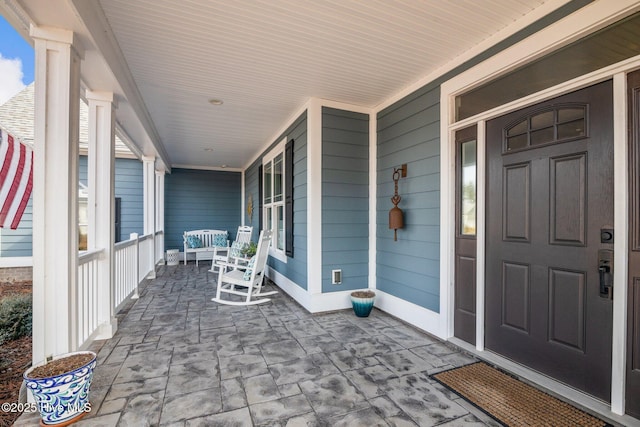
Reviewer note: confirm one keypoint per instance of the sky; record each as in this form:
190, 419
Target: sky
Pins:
16, 62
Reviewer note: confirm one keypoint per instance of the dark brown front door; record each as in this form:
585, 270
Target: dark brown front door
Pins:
465, 264
633, 295
549, 198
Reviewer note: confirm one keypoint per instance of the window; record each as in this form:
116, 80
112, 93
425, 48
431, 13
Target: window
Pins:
83, 224
468, 191
277, 167
83, 217
559, 124
466, 181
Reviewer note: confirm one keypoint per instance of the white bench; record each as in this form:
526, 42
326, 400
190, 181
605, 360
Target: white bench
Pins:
202, 243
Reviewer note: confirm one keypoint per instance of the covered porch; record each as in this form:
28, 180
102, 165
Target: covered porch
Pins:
179, 359
300, 133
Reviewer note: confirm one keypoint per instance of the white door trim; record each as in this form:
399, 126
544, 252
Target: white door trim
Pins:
620, 246
481, 236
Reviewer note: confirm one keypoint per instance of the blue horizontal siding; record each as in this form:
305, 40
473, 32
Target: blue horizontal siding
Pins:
128, 185
201, 199
295, 269
345, 198
18, 242
409, 132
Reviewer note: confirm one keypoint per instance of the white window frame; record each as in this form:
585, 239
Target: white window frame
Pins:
272, 207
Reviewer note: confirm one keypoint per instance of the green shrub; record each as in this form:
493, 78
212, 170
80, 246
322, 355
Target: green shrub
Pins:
15, 317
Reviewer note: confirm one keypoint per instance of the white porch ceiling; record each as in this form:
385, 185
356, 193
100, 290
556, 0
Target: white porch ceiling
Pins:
266, 58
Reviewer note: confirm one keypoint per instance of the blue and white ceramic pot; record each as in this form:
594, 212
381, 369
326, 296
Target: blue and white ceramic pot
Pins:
362, 302
63, 399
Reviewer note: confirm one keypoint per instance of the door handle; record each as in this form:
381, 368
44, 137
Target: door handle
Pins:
605, 282
605, 272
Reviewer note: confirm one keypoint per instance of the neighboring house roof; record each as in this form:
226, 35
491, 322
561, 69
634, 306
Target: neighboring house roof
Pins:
17, 117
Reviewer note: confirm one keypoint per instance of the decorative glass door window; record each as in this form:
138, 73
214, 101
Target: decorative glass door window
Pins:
468, 191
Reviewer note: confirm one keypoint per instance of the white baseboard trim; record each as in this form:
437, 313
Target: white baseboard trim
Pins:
294, 291
16, 261
419, 317
331, 301
415, 315
314, 303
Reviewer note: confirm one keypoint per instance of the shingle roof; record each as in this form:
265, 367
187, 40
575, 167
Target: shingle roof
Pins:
16, 117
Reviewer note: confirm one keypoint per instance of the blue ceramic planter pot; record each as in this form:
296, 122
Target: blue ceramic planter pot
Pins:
62, 399
362, 302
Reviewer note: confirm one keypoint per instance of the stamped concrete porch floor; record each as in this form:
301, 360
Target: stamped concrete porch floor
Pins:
179, 359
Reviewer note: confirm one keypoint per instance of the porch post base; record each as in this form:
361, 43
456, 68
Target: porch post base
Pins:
107, 329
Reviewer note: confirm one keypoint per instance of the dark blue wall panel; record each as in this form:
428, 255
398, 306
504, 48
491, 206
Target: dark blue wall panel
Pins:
201, 199
345, 198
409, 132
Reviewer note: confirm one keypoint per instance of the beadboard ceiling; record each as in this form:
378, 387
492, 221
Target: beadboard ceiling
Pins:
266, 58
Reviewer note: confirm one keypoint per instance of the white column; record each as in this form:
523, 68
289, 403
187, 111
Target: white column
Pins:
55, 194
149, 181
373, 200
100, 207
160, 200
314, 198
160, 214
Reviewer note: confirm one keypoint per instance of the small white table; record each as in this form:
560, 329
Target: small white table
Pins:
173, 256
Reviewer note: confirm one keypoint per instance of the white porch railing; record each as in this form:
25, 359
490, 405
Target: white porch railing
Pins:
134, 260
159, 246
87, 295
126, 271
145, 245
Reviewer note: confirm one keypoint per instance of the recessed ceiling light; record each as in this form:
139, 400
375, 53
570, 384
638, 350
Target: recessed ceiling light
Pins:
224, 166
208, 149
214, 101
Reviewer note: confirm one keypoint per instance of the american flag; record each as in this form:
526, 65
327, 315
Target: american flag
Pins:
16, 179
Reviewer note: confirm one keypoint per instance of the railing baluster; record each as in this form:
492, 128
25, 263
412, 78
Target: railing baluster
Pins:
131, 259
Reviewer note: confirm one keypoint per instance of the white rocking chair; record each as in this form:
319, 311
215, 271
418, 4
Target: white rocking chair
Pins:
225, 255
246, 280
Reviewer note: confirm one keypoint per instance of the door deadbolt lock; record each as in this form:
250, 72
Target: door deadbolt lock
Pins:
605, 272
606, 235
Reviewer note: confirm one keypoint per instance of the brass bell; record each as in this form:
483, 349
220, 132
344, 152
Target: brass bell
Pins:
396, 221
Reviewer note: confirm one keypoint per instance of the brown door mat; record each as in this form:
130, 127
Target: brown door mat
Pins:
510, 401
